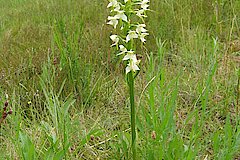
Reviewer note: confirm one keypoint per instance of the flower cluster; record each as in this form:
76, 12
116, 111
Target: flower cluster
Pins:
122, 13
5, 113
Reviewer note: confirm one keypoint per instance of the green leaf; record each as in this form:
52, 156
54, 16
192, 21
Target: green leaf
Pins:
27, 147
59, 155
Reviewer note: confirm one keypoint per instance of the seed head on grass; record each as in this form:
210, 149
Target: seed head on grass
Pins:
5, 113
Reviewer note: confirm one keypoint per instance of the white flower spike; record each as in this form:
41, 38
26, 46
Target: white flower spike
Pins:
123, 10
128, 30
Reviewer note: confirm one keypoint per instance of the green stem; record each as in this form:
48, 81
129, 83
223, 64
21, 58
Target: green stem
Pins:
133, 113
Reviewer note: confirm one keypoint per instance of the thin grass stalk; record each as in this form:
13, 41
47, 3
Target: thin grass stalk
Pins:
133, 112
238, 91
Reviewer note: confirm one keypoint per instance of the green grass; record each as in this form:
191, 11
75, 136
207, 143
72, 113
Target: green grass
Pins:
67, 88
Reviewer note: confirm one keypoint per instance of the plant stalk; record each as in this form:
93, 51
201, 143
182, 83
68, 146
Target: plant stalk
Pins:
133, 113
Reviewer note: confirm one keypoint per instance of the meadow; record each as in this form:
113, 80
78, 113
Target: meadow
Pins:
67, 93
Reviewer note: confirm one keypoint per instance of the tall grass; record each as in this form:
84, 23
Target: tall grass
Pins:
68, 103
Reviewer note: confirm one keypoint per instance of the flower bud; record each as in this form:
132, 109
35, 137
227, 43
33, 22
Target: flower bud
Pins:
6, 104
4, 116
92, 137
10, 112
154, 136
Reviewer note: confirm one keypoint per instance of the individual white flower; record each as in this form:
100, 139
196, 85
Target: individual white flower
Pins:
142, 37
117, 7
140, 28
121, 15
131, 35
144, 4
130, 56
112, 3
113, 21
115, 4
115, 39
140, 13
122, 49
133, 62
125, 1
132, 66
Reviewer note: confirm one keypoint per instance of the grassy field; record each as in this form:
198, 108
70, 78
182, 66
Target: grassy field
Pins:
67, 88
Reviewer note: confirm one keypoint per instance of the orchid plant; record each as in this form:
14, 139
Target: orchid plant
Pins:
127, 19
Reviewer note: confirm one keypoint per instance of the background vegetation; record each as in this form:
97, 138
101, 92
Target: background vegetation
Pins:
68, 93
